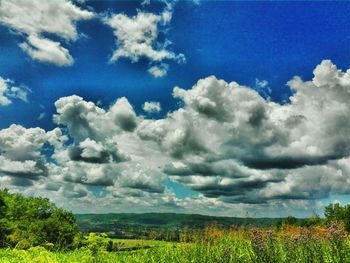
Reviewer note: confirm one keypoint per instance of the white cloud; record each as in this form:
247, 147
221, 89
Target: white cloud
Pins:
106, 151
35, 18
137, 38
21, 151
146, 2
123, 114
4, 100
45, 50
167, 16
8, 92
151, 107
26, 168
226, 142
83, 119
159, 71
269, 144
91, 149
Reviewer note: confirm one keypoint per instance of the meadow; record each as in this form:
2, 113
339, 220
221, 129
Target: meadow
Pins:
211, 245
32, 229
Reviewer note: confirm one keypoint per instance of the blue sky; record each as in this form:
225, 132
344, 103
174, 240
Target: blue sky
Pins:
246, 42
238, 41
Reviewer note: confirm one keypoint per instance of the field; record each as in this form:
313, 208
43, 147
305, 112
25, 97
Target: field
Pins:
155, 225
292, 244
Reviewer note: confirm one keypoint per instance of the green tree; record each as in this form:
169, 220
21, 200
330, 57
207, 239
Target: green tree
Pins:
33, 221
291, 220
60, 228
3, 222
338, 213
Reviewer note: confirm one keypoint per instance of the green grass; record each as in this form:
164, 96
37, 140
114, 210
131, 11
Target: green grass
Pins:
129, 250
137, 244
297, 245
222, 252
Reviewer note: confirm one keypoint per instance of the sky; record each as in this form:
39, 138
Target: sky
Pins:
229, 108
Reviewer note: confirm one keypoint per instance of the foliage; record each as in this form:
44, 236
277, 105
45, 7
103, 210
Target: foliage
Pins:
98, 243
35, 230
314, 220
338, 213
211, 245
32, 221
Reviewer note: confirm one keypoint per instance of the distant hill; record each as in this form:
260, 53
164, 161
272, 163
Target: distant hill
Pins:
130, 225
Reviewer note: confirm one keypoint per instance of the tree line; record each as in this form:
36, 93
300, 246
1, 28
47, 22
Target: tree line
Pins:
35, 221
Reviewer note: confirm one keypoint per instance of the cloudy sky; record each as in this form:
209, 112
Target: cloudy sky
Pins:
220, 108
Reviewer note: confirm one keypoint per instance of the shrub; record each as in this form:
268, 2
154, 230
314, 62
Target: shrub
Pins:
98, 243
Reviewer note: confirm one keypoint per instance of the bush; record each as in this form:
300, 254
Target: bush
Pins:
98, 243
338, 213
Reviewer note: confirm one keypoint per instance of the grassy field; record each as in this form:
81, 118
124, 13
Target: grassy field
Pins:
211, 246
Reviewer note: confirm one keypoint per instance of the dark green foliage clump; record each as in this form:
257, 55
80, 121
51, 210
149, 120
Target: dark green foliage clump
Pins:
34, 221
338, 213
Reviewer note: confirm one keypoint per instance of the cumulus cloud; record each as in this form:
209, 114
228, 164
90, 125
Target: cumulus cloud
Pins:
151, 107
105, 150
8, 92
20, 153
137, 37
87, 173
234, 144
124, 115
36, 18
96, 152
227, 142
